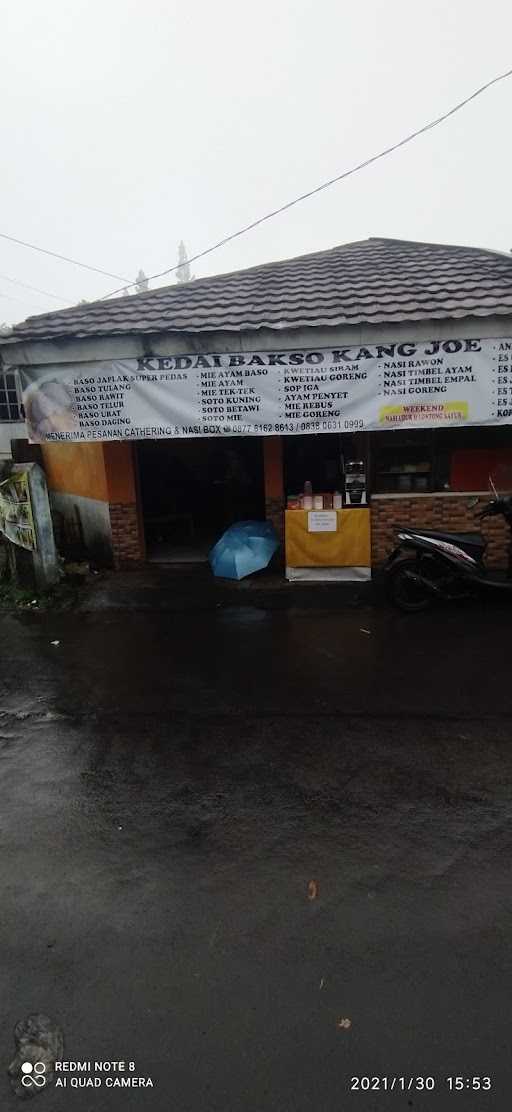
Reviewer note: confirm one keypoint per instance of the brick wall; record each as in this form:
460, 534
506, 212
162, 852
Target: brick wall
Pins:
447, 513
127, 542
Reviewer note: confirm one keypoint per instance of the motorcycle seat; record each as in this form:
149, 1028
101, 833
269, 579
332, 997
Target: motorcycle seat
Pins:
475, 540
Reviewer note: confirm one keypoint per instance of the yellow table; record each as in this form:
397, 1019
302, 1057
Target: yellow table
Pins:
348, 546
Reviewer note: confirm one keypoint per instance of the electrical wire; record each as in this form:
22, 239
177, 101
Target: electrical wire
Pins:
324, 185
35, 289
20, 300
64, 258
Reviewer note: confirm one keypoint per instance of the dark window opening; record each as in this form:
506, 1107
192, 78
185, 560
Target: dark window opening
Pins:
9, 406
403, 461
314, 459
321, 460
423, 460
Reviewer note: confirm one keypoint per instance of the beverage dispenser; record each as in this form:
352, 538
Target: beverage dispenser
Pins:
355, 483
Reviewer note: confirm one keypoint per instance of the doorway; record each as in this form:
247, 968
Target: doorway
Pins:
192, 490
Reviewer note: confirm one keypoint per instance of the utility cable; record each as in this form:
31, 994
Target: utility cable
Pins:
324, 185
64, 258
35, 289
20, 300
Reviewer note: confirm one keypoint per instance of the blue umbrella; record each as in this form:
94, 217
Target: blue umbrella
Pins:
245, 547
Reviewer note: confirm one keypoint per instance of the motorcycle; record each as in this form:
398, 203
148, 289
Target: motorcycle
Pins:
445, 566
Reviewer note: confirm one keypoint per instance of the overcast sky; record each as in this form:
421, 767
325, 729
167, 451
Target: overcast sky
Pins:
127, 126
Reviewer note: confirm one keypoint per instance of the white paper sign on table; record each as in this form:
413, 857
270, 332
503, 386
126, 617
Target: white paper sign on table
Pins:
322, 521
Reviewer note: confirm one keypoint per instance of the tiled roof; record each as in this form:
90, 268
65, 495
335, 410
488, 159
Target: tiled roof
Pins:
373, 281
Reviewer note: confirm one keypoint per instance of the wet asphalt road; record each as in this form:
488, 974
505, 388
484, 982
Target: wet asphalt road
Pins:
172, 783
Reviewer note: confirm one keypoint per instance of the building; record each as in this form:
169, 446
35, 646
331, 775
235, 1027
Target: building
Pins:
406, 308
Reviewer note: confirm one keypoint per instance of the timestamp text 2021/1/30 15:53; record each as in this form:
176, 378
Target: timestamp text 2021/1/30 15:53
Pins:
418, 1082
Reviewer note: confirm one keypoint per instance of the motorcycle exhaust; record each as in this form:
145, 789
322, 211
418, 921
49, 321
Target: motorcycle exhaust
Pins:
439, 592
416, 578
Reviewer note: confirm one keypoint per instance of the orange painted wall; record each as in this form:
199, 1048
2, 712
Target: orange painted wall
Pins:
102, 471
76, 469
120, 472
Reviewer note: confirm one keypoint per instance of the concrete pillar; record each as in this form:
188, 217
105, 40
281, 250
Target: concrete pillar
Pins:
126, 522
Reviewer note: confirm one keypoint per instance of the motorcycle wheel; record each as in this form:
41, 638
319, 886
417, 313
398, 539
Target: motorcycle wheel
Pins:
405, 593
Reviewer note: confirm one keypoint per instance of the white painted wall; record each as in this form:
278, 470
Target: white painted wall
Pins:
84, 518
44, 352
10, 430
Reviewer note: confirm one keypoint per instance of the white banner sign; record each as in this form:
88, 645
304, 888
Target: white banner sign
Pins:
343, 389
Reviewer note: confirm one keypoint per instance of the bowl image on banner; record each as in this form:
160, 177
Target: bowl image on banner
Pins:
246, 547
50, 407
